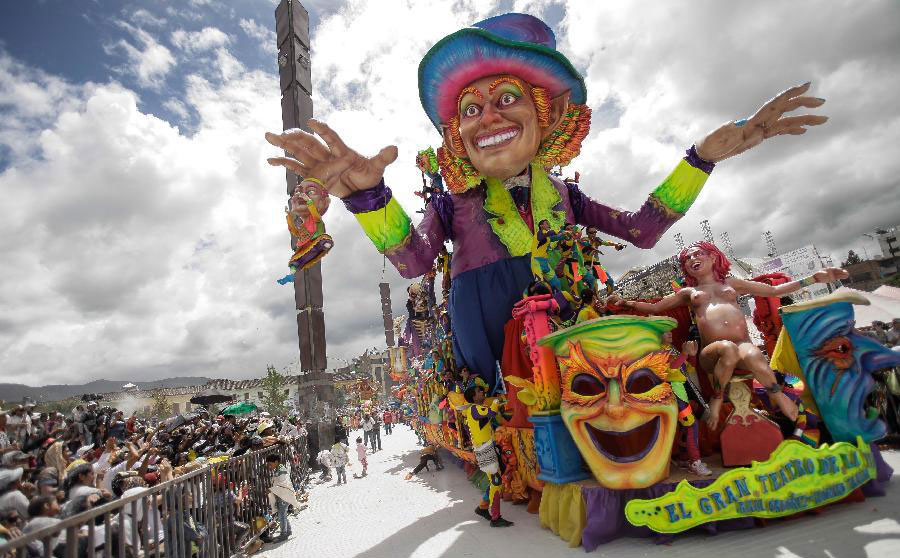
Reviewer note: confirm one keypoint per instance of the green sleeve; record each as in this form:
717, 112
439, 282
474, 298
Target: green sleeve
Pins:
386, 227
679, 190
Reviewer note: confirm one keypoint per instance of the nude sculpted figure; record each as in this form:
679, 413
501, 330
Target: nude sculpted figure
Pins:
712, 296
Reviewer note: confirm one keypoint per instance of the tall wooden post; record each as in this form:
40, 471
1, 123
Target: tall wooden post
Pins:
316, 391
387, 316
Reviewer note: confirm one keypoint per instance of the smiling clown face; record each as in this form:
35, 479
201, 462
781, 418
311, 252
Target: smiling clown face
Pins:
616, 403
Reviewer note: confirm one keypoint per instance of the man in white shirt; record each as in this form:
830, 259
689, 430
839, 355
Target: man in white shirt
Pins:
368, 424
288, 430
17, 425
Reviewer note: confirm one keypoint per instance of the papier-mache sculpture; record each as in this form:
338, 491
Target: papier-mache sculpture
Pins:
308, 203
820, 344
508, 106
616, 401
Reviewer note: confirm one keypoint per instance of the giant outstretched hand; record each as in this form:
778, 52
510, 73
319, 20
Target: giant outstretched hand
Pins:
341, 169
830, 274
735, 137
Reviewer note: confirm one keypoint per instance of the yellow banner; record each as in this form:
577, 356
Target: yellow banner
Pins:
796, 477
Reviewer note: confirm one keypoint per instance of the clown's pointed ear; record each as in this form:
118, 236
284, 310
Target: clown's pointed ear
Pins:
550, 111
452, 140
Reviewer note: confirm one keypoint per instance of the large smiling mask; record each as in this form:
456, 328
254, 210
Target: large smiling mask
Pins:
837, 363
615, 401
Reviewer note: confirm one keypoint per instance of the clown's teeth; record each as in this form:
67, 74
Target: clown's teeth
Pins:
487, 141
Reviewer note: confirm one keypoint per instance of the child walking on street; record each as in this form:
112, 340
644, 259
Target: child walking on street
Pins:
325, 460
388, 419
361, 455
339, 458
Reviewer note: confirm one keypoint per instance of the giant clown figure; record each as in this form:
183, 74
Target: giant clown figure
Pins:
509, 107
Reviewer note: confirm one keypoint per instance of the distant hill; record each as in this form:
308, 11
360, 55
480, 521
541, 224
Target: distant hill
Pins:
16, 392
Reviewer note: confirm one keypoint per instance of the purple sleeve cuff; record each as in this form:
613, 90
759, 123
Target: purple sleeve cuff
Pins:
368, 200
443, 206
576, 199
695, 161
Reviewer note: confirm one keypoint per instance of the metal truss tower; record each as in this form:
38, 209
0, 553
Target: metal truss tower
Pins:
770, 244
707, 231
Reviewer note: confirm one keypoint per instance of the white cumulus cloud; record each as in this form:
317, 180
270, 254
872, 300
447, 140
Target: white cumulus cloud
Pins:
133, 249
198, 41
263, 35
149, 61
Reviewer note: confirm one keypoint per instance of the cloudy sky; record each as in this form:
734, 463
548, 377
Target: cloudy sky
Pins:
141, 231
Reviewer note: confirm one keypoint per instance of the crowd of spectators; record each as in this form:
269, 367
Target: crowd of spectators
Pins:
886, 334
53, 466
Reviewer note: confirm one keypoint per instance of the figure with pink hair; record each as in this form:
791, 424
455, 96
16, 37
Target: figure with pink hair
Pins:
712, 296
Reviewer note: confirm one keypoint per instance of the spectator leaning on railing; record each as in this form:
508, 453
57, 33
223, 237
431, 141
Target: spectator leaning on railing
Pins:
54, 467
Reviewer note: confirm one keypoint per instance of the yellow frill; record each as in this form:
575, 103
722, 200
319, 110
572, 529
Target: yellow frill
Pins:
563, 511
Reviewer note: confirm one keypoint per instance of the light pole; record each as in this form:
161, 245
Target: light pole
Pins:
866, 252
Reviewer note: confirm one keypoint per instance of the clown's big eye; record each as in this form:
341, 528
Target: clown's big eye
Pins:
588, 386
641, 381
472, 110
507, 99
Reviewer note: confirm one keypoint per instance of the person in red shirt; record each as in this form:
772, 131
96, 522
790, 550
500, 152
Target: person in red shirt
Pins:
388, 419
129, 424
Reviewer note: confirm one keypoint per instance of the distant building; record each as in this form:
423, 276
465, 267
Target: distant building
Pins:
868, 275
252, 391
649, 282
178, 398
142, 401
796, 264
889, 241
373, 366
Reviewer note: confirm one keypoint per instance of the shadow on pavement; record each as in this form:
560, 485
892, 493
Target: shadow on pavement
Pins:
455, 531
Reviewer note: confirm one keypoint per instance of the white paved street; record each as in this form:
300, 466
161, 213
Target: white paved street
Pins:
383, 516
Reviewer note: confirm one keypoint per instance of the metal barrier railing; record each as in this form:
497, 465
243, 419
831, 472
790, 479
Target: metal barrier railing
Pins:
196, 515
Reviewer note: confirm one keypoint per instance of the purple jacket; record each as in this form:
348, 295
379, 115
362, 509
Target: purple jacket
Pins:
463, 219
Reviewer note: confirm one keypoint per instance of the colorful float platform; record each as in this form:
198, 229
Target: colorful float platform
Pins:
572, 455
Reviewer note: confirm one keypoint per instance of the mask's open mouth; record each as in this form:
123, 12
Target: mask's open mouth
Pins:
628, 446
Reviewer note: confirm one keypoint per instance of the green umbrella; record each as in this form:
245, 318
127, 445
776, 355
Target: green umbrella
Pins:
239, 409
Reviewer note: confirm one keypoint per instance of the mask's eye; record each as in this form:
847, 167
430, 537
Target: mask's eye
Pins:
587, 386
472, 110
507, 99
839, 350
641, 381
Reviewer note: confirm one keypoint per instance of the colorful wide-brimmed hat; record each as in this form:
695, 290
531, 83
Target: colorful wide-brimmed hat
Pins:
516, 44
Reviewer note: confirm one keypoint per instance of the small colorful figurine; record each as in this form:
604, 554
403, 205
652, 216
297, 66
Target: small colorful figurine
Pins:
304, 217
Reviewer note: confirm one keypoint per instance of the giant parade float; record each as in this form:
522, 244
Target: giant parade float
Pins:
606, 417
